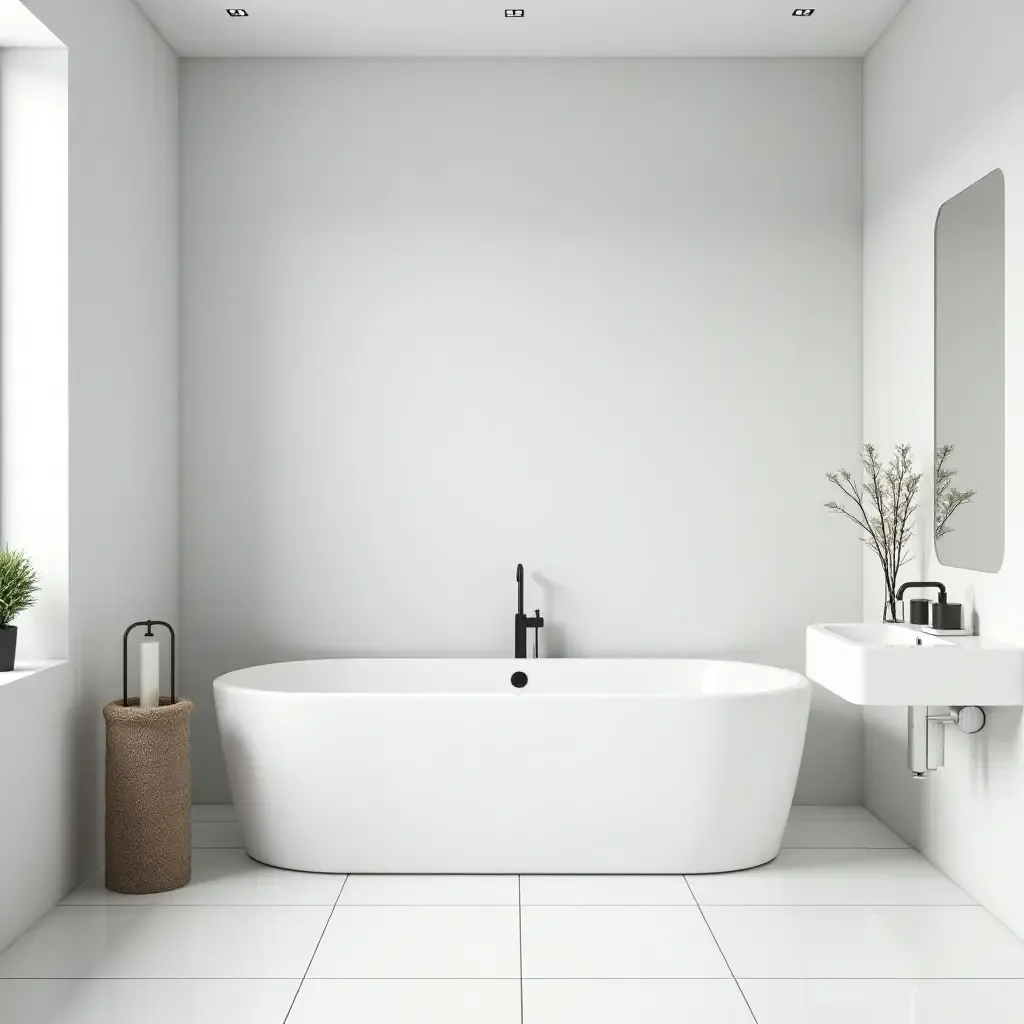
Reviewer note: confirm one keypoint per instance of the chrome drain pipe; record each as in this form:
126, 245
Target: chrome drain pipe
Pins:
926, 735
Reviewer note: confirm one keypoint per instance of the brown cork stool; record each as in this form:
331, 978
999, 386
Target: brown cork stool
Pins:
148, 791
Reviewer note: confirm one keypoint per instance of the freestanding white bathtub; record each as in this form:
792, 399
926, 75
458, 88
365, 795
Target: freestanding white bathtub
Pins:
437, 766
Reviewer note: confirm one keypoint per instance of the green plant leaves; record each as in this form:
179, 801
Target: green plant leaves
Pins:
19, 584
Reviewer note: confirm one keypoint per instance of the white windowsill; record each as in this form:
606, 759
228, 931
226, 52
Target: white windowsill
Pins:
23, 669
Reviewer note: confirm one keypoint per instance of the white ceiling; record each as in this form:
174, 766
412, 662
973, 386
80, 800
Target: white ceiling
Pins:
551, 28
19, 27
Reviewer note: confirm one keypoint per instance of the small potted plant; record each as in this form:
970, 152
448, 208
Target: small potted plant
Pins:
18, 585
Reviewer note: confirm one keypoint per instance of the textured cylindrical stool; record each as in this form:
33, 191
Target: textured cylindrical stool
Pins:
149, 822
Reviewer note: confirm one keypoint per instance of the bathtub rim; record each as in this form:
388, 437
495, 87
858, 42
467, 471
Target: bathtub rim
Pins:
787, 680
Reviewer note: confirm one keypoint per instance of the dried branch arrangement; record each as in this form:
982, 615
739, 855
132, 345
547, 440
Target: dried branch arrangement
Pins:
882, 507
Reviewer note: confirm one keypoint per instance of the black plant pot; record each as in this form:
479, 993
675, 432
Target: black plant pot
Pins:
8, 647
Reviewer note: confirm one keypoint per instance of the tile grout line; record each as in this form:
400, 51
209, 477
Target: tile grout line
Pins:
574, 977
732, 973
130, 904
316, 948
522, 1008
140, 901
980, 978
133, 905
831, 906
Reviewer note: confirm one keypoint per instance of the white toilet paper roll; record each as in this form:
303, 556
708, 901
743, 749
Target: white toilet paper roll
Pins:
149, 675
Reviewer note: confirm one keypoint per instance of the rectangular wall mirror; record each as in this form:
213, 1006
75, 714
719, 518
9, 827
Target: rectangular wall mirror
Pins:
970, 415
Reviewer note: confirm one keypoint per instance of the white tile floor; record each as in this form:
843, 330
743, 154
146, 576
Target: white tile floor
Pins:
847, 926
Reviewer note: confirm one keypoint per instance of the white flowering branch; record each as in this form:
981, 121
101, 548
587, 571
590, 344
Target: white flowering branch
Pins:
882, 508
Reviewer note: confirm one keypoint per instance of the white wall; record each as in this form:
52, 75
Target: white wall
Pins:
440, 317
34, 334
123, 359
944, 105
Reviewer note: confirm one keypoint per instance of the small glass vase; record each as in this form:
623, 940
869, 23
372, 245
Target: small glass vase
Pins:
892, 610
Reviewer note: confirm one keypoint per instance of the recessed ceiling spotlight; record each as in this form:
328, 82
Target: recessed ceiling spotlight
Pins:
237, 12
515, 12
803, 12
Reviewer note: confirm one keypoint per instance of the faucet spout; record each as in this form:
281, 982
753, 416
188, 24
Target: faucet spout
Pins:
908, 586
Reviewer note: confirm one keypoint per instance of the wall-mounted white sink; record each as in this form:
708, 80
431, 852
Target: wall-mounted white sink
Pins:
900, 665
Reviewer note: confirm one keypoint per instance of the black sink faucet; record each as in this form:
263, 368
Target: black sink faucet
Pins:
945, 616
919, 609
523, 623
908, 586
